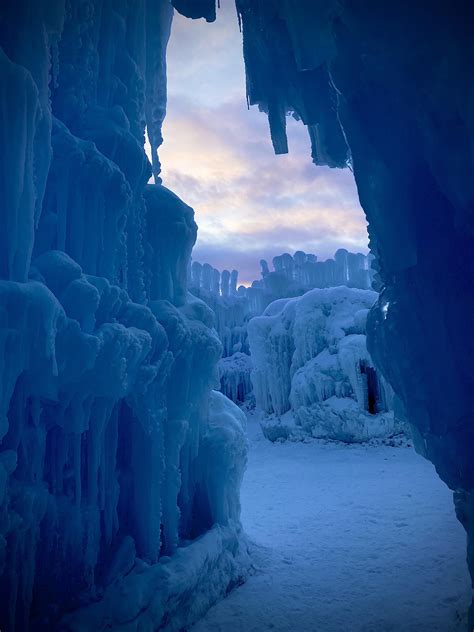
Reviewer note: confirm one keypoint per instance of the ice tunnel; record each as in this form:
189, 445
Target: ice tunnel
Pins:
120, 466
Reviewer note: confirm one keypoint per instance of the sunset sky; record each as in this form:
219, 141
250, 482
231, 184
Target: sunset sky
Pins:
217, 155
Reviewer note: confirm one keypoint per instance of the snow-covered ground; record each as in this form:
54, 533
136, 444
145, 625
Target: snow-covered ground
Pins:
346, 539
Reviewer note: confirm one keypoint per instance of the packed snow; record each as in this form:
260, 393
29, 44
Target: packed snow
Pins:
345, 537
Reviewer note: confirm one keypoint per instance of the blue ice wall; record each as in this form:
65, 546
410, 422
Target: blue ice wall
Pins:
388, 87
110, 437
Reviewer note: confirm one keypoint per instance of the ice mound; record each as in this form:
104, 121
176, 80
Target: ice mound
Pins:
310, 357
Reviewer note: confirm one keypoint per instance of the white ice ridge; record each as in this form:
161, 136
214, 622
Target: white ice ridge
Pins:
310, 357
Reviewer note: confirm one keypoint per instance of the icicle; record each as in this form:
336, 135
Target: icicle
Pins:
277, 122
159, 15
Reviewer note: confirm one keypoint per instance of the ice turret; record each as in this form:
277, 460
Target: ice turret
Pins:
264, 267
234, 276
225, 279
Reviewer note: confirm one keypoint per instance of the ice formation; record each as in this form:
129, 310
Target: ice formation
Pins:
310, 357
234, 373
292, 275
235, 306
295, 275
120, 468
396, 106
229, 304
105, 387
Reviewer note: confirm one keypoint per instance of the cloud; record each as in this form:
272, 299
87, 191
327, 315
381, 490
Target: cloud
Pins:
217, 156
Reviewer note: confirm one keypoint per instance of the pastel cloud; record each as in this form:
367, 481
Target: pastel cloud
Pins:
217, 156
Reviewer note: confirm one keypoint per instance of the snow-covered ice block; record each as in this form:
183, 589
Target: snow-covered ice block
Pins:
310, 357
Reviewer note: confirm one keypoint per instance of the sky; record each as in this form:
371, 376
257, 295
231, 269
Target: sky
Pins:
218, 157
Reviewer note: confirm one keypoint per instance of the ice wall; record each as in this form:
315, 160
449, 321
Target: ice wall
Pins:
397, 77
310, 357
292, 275
119, 468
295, 275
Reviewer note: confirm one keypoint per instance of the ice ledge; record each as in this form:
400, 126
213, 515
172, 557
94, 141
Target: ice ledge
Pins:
196, 9
174, 593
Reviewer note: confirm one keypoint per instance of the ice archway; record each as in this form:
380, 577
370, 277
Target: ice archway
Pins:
110, 446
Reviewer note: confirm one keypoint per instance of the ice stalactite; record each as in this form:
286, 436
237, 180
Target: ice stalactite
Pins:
404, 105
159, 16
274, 80
111, 437
17, 184
197, 8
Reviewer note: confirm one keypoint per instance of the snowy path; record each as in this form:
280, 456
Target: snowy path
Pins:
348, 539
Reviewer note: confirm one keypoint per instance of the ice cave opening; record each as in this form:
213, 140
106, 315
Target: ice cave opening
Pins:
178, 451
